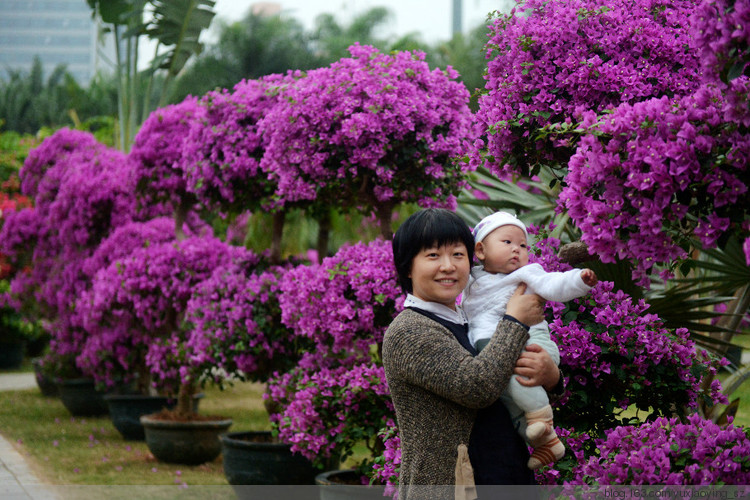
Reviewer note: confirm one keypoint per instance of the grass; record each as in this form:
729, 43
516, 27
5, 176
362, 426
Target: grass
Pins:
81, 451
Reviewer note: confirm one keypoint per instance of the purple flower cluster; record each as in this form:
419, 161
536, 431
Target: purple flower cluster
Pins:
369, 130
721, 30
612, 348
641, 169
670, 452
82, 190
327, 411
551, 60
139, 298
345, 303
157, 153
387, 467
222, 152
234, 322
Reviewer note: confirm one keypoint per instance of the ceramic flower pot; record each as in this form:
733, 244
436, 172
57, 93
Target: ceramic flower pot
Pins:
254, 458
46, 384
190, 442
80, 397
345, 485
126, 411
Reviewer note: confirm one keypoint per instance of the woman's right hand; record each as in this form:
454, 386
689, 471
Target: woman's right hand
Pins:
528, 309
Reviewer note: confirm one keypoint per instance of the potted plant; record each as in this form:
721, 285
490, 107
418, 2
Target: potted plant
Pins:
134, 312
235, 333
337, 396
80, 189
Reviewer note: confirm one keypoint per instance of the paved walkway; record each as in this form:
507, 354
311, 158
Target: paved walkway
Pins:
17, 481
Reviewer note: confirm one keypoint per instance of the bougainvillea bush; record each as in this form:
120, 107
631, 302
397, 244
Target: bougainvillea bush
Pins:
369, 131
551, 60
222, 152
337, 395
156, 157
327, 412
81, 190
135, 307
666, 451
642, 169
343, 304
234, 323
617, 356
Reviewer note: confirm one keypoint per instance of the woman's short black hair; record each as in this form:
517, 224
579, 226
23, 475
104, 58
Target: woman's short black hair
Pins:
424, 229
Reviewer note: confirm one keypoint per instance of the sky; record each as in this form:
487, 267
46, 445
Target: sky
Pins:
432, 18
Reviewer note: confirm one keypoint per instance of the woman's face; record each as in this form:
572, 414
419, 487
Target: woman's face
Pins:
439, 274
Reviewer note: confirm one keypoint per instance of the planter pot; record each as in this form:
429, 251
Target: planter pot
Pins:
46, 384
252, 458
190, 443
11, 354
80, 397
345, 485
126, 411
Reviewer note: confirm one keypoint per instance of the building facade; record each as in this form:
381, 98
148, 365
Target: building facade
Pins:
57, 31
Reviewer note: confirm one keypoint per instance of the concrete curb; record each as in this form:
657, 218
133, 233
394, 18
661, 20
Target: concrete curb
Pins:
17, 481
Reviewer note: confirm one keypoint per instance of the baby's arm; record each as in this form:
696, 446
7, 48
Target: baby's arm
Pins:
557, 286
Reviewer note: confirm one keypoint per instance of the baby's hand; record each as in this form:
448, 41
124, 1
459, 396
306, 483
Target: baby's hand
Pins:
589, 277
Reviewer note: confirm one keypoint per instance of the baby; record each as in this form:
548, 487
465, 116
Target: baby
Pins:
501, 245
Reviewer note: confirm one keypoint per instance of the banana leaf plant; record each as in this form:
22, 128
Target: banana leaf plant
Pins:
175, 26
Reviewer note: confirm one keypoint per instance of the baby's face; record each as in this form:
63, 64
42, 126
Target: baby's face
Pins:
503, 250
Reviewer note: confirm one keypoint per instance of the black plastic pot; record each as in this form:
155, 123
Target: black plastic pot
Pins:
343, 485
80, 397
46, 384
253, 458
126, 410
191, 443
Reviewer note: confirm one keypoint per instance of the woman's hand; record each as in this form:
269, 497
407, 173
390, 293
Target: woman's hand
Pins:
535, 367
528, 309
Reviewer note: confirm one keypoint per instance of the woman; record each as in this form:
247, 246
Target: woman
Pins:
445, 393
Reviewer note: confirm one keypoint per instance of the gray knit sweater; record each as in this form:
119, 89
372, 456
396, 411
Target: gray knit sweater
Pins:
437, 387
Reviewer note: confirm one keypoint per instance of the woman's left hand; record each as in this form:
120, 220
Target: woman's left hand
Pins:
535, 367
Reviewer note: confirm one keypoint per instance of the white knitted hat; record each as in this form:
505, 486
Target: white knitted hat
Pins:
492, 222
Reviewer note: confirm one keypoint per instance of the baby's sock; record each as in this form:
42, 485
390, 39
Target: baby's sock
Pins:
551, 451
538, 423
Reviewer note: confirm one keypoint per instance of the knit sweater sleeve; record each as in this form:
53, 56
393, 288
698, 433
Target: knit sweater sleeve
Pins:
421, 352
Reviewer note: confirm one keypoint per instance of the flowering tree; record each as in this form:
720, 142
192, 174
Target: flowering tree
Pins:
104, 355
326, 412
234, 323
668, 451
369, 131
650, 177
156, 157
344, 304
337, 395
136, 306
81, 191
222, 152
551, 60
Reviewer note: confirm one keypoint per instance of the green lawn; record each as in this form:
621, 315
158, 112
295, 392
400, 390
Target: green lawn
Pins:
76, 450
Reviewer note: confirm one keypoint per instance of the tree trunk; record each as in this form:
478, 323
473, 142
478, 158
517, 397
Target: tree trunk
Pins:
180, 216
384, 214
276, 234
185, 395
324, 233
